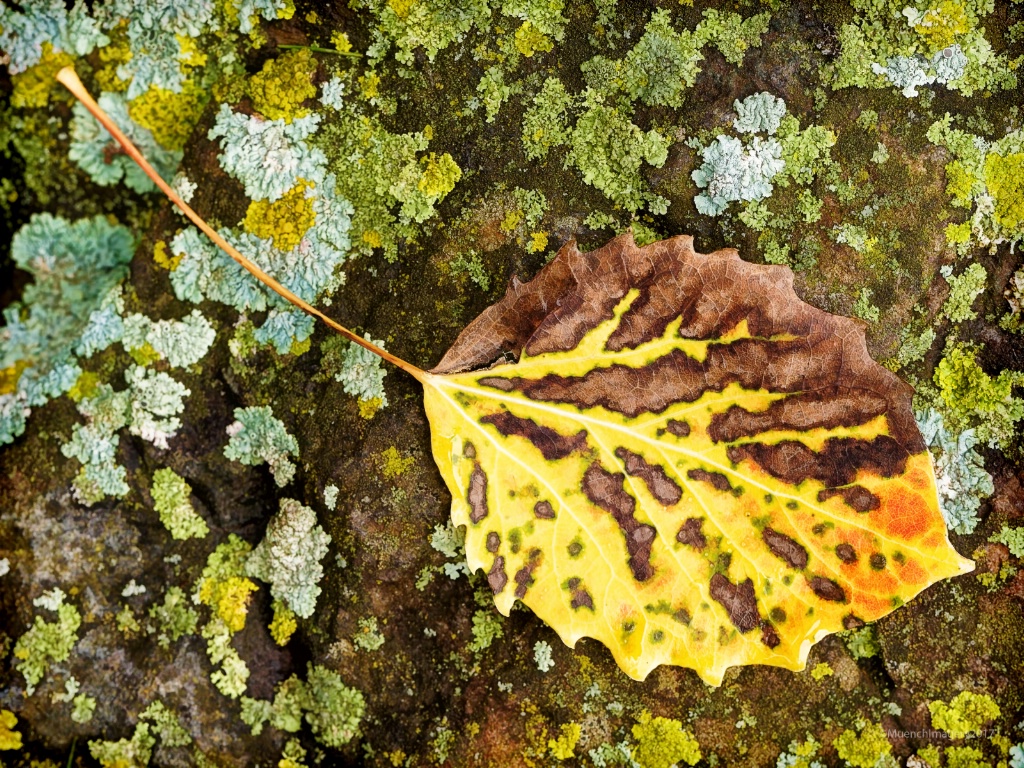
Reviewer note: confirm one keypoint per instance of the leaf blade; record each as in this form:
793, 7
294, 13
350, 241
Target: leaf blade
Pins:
691, 517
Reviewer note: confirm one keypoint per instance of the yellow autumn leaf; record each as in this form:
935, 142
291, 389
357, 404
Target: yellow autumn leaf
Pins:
686, 462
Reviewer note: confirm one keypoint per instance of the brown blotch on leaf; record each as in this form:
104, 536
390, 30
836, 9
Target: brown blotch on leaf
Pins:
497, 382
846, 553
524, 576
777, 614
738, 600
477, 495
827, 589
836, 464
574, 549
717, 479
768, 635
852, 622
678, 428
691, 534
493, 542
581, 598
709, 294
661, 486
785, 548
496, 577
605, 490
877, 561
551, 444
827, 408
469, 450
857, 497
544, 510
682, 616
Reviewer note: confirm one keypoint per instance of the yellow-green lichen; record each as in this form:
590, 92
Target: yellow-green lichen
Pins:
168, 115
1004, 177
662, 742
563, 747
285, 221
284, 624
279, 89
32, 88
863, 750
393, 464
966, 713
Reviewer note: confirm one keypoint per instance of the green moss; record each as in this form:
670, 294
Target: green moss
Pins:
865, 749
171, 499
279, 89
662, 742
965, 714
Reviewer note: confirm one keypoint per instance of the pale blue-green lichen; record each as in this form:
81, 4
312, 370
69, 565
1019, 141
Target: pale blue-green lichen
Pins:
960, 475
963, 290
257, 436
24, 28
759, 112
76, 266
361, 372
96, 152
542, 656
733, 173
289, 557
180, 342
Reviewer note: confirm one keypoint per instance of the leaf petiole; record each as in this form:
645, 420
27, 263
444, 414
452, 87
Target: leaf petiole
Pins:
69, 79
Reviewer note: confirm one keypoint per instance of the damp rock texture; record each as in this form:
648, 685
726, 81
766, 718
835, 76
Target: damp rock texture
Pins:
224, 538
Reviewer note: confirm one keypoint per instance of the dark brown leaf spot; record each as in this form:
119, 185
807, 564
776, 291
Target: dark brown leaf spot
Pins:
877, 561
768, 635
852, 622
544, 510
682, 616
581, 598
846, 553
497, 382
477, 495
678, 428
777, 615
661, 486
493, 542
827, 589
574, 549
605, 489
784, 547
718, 480
524, 576
469, 450
496, 576
691, 534
550, 443
856, 497
738, 600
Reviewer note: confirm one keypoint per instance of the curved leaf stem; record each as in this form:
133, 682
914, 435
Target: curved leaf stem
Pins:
70, 80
